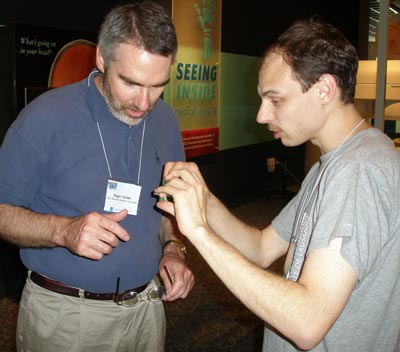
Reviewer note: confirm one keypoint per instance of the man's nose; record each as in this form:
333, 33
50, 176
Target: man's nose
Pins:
143, 99
264, 114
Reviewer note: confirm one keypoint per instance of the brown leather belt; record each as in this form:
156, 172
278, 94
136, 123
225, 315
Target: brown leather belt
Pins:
58, 287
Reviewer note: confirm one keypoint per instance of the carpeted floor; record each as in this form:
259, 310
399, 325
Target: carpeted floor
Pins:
211, 319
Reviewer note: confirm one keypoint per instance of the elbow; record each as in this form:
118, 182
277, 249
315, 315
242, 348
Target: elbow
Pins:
309, 336
306, 344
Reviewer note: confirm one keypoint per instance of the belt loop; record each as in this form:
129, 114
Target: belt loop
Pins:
81, 294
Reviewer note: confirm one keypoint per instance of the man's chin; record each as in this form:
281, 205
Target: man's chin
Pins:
131, 121
290, 143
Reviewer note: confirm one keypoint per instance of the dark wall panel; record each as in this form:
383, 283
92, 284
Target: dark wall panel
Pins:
77, 15
248, 27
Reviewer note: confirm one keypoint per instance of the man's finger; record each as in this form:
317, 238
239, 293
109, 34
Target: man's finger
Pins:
112, 224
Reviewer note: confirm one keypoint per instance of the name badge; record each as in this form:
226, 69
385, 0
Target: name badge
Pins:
122, 195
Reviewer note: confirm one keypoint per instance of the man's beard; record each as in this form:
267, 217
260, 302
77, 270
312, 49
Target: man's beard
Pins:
118, 113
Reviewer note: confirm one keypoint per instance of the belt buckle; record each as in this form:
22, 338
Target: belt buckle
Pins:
125, 298
131, 298
128, 298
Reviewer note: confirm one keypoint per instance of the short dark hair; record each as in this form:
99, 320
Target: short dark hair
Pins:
314, 47
144, 23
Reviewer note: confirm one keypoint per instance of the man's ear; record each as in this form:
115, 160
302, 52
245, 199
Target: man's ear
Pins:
99, 60
326, 88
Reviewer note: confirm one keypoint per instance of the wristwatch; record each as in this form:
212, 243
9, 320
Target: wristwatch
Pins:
176, 243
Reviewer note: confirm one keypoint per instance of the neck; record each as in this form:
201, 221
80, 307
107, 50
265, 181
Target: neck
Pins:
342, 123
354, 130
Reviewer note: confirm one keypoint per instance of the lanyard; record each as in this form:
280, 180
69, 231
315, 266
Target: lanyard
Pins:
102, 141
105, 152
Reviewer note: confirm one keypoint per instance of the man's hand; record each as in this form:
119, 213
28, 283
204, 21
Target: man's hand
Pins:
185, 184
178, 279
93, 235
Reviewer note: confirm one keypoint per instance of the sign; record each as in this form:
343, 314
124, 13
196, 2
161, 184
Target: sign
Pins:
194, 91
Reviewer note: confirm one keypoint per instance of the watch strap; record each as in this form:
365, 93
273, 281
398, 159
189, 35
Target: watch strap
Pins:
178, 244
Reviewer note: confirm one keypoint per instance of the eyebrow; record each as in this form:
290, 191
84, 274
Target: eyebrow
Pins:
128, 80
270, 92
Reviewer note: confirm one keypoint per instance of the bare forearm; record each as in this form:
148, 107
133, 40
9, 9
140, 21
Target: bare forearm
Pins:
169, 229
245, 238
283, 304
25, 228
90, 235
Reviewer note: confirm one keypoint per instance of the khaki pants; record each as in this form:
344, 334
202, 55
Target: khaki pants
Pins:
51, 322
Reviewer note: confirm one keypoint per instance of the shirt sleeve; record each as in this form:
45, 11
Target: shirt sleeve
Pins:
353, 204
21, 170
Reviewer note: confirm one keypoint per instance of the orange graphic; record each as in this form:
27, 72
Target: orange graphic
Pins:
72, 63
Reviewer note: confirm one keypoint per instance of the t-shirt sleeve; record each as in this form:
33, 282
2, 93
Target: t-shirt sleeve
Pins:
21, 170
353, 206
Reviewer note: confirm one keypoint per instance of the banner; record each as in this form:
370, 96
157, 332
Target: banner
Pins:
194, 90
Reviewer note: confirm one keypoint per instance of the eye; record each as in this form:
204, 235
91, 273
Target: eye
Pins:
130, 84
127, 82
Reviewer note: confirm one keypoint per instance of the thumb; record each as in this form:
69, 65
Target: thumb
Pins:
117, 217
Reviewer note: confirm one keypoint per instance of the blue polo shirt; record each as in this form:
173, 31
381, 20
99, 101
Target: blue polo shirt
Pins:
52, 161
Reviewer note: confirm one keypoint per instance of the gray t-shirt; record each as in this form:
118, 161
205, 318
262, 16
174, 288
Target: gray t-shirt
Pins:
352, 193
